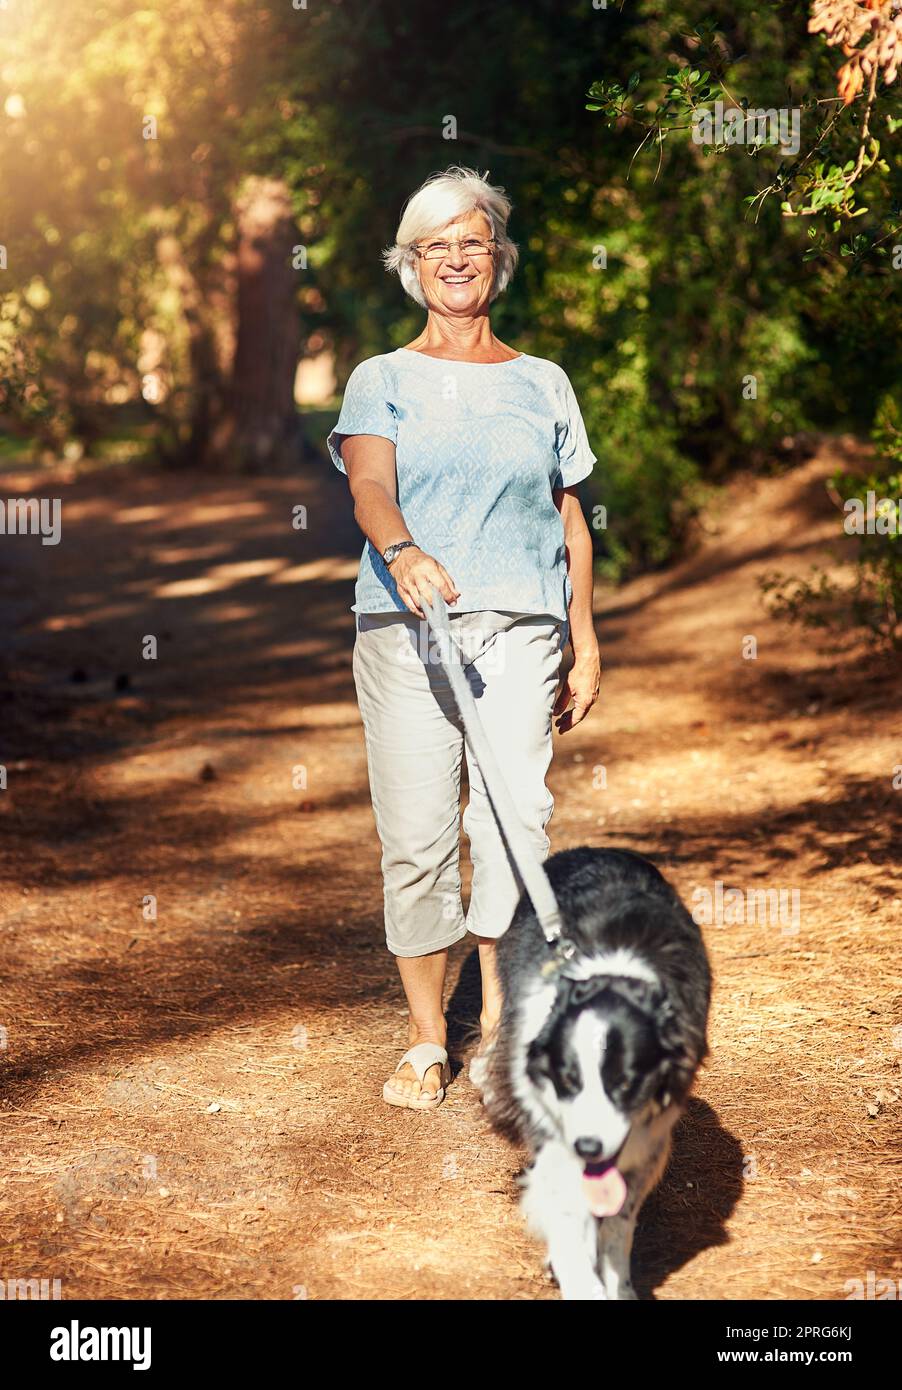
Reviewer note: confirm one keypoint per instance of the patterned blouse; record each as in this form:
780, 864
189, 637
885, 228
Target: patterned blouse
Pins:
480, 447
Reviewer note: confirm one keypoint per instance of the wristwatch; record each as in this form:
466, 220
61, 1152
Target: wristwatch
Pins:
392, 552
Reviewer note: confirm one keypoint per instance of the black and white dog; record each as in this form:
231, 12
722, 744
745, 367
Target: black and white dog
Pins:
595, 1056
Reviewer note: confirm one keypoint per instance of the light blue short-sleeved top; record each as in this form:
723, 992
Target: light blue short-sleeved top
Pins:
479, 448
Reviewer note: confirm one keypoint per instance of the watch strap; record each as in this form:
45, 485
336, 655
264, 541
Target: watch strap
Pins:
391, 552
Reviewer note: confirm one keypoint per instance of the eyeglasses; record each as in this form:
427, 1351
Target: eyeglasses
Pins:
470, 246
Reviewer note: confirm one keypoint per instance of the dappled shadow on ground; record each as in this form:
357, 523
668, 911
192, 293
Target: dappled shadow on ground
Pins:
861, 820
230, 690
175, 836
147, 992
240, 603
172, 778
687, 1213
751, 535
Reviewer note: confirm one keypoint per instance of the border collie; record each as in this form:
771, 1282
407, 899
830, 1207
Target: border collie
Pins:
595, 1055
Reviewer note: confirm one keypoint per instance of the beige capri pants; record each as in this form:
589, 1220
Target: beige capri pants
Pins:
415, 747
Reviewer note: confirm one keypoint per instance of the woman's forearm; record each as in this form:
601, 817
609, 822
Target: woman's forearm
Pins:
370, 464
582, 579
378, 515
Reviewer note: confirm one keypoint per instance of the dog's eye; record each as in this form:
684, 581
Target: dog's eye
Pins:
537, 1066
570, 1080
616, 1083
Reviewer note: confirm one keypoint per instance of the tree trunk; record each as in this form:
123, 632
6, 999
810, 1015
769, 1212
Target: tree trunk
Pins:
206, 362
259, 429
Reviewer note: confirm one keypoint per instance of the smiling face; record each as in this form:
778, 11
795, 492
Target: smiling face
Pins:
458, 285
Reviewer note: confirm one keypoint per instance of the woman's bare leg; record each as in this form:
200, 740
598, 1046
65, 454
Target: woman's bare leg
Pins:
423, 978
490, 1016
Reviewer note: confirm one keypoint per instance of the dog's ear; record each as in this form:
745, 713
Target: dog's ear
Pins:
683, 1049
538, 1057
673, 1074
538, 1063
561, 1003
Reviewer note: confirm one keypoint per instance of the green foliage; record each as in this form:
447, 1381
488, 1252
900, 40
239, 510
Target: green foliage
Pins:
814, 181
872, 508
699, 321
649, 491
813, 602
118, 244
879, 576
763, 323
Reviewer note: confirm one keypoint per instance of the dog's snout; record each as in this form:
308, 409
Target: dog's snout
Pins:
588, 1147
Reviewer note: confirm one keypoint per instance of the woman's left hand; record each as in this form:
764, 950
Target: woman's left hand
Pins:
581, 686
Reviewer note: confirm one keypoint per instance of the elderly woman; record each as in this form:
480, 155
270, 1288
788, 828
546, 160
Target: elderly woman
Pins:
462, 457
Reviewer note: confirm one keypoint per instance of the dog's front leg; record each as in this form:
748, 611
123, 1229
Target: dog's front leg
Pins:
615, 1233
556, 1210
615, 1245
570, 1237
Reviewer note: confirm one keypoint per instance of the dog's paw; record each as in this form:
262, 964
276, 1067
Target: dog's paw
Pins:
620, 1291
583, 1291
478, 1071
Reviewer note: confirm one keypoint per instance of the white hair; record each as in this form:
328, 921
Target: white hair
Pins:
442, 199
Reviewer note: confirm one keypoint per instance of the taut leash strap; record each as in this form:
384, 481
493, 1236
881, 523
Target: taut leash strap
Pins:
530, 869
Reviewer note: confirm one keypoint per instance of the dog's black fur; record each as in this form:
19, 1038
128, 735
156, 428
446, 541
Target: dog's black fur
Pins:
637, 1019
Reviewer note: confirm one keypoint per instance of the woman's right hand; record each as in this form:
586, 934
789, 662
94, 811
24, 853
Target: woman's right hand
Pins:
416, 574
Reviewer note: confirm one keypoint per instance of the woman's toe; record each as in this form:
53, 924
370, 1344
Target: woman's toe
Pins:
405, 1085
432, 1081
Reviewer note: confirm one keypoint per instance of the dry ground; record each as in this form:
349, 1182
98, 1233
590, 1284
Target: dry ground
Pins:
191, 1102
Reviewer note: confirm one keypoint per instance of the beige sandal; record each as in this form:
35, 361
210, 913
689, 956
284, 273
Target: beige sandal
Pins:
421, 1057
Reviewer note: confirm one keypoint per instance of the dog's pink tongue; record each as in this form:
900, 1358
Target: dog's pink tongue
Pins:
605, 1191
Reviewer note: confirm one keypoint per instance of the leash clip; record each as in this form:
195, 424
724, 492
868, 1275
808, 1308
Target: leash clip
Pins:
562, 957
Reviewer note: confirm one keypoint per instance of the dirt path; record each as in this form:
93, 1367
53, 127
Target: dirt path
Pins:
190, 1102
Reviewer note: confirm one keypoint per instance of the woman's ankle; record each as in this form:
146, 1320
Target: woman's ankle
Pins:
427, 1030
488, 1022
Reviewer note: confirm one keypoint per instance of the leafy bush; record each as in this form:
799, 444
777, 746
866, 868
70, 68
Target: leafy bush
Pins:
872, 509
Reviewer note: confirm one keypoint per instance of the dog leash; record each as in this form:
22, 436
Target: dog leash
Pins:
531, 870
